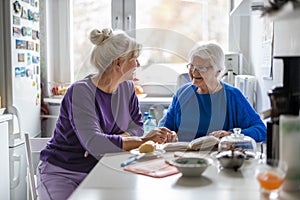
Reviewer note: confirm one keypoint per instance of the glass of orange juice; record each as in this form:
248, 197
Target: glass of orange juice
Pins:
271, 174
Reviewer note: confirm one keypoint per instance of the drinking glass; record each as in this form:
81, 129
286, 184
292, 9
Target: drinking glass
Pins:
271, 174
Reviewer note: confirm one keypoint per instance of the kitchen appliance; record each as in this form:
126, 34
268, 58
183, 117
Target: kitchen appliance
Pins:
20, 74
233, 63
285, 99
247, 85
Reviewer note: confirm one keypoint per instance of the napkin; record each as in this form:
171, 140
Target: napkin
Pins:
157, 168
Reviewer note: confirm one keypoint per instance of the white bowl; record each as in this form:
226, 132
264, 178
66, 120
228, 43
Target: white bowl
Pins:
2, 111
191, 166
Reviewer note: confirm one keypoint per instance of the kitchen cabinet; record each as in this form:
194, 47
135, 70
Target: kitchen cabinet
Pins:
4, 167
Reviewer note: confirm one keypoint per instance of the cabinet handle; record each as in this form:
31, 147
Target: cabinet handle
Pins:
116, 22
128, 23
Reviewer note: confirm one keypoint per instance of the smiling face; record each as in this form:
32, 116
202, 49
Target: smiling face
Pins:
205, 81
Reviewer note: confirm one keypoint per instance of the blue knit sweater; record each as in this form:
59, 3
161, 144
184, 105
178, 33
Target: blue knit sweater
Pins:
193, 115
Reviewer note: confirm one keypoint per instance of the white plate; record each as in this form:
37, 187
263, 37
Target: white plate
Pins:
157, 152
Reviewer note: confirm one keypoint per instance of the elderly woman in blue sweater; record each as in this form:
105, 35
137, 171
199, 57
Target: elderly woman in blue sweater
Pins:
207, 106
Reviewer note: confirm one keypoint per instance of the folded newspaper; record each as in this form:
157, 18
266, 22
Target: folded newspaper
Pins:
202, 143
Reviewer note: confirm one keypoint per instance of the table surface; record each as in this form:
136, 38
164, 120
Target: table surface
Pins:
109, 181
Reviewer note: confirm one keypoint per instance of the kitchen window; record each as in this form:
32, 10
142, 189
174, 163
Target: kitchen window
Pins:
157, 23
164, 22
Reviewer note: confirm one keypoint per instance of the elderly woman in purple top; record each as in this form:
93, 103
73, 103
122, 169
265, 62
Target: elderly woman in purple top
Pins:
99, 114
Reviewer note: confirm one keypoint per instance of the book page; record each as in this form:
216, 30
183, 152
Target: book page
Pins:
204, 143
175, 146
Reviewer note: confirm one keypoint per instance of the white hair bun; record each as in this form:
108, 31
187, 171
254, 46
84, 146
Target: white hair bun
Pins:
97, 37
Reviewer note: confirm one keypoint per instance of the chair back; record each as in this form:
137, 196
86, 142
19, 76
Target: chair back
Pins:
33, 145
182, 79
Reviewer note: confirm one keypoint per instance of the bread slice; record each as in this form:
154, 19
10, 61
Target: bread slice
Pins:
147, 147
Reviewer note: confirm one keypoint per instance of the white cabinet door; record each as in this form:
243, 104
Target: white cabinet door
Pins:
4, 166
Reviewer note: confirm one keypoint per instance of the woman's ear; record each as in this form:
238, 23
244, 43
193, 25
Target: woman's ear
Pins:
117, 64
218, 73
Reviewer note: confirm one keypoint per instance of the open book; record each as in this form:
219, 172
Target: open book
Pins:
205, 143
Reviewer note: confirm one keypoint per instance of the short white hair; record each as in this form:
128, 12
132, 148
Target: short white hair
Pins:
110, 45
211, 51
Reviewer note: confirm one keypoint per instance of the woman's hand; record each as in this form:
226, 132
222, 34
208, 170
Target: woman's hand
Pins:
156, 135
171, 135
162, 135
220, 133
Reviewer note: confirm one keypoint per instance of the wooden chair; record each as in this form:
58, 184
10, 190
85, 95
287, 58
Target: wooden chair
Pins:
33, 146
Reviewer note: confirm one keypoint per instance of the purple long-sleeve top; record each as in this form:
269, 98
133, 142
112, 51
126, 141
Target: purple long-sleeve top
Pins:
91, 120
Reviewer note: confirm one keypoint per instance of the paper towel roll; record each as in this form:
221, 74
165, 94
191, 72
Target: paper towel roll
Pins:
289, 133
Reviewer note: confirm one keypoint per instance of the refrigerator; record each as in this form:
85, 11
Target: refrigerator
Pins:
20, 83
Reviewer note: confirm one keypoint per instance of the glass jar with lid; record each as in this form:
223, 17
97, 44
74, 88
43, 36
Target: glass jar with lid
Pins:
237, 141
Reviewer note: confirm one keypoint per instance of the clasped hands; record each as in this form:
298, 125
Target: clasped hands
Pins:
164, 135
161, 135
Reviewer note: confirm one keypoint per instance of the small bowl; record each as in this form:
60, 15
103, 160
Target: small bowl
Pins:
2, 111
231, 159
191, 166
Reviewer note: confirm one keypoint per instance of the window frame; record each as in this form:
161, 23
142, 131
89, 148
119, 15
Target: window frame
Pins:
58, 47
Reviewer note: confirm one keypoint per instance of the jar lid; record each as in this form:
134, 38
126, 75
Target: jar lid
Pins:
237, 140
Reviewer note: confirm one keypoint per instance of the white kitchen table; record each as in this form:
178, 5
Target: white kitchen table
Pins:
109, 181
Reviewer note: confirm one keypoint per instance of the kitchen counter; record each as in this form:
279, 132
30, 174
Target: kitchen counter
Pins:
156, 100
152, 100
109, 181
5, 117
53, 100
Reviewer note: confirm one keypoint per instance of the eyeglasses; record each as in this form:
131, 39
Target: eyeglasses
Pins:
199, 68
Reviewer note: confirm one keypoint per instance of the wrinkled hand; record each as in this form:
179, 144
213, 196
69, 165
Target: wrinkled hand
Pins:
157, 135
162, 135
220, 133
171, 135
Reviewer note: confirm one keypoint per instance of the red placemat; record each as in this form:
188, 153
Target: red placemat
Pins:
157, 168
